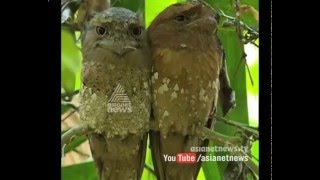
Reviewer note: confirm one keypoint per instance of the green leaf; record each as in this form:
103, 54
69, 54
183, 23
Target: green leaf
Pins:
64, 108
201, 175
232, 48
231, 45
62, 132
129, 4
147, 174
211, 169
83, 171
153, 8
227, 7
75, 143
253, 94
238, 83
71, 59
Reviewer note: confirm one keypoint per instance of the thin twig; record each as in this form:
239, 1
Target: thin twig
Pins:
65, 3
206, 133
238, 24
81, 153
68, 115
70, 105
243, 25
254, 157
230, 141
221, 13
247, 66
250, 164
74, 131
149, 168
239, 125
240, 37
255, 44
220, 138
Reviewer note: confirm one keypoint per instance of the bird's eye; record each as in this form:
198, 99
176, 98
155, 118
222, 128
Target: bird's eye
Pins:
101, 30
180, 18
136, 31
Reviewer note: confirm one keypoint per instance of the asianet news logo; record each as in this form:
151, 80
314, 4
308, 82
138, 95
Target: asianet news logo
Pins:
119, 101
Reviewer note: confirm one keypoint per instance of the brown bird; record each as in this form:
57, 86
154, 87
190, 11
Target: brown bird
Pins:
115, 92
187, 67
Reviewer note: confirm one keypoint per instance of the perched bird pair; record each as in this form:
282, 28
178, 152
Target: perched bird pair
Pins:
125, 85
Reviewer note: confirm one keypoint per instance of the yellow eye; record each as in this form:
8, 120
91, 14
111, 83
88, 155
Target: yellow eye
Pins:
101, 30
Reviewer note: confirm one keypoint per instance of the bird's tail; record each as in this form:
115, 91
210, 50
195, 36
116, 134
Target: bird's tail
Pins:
117, 158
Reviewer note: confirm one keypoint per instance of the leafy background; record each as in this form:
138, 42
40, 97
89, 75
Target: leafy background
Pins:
247, 94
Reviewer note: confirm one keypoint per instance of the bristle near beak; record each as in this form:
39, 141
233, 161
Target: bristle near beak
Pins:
116, 47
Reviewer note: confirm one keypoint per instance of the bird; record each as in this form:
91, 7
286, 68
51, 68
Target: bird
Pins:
115, 94
187, 65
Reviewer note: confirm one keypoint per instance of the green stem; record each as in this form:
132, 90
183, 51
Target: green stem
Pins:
74, 131
220, 138
239, 125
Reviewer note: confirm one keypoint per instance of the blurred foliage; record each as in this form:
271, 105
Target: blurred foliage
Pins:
82, 171
74, 143
70, 59
71, 66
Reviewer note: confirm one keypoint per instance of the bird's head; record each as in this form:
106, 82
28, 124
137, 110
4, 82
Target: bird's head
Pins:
184, 22
116, 29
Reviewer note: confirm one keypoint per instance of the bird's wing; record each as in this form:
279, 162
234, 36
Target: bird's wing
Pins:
156, 154
226, 94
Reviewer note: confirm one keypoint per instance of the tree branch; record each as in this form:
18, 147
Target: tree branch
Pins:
81, 153
240, 37
244, 127
238, 25
67, 116
74, 131
250, 164
243, 25
220, 138
230, 141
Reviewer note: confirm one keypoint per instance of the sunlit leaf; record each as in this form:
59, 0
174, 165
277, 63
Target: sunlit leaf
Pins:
70, 59
129, 4
153, 8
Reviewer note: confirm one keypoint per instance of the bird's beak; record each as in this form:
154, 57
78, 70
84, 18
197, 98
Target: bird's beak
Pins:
116, 47
203, 22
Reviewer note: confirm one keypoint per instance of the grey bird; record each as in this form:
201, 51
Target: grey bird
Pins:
115, 92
